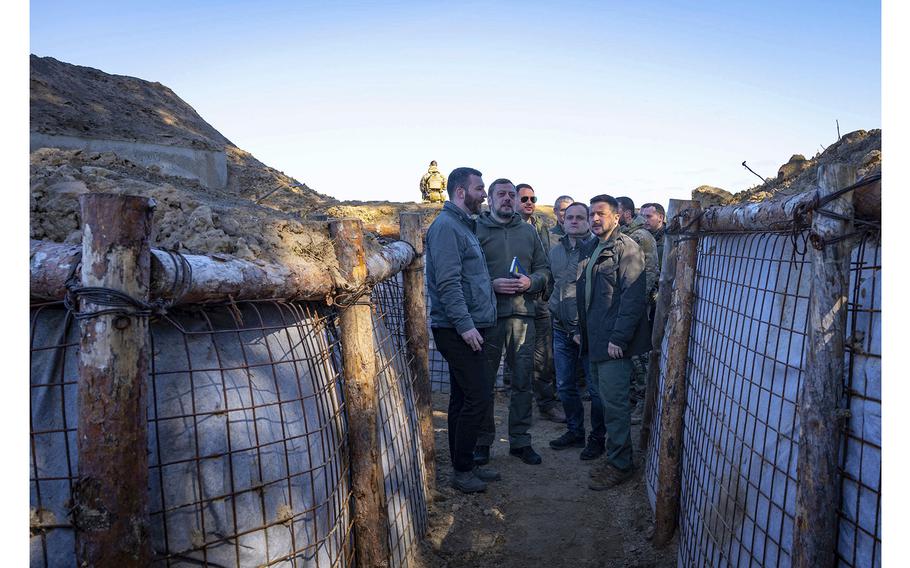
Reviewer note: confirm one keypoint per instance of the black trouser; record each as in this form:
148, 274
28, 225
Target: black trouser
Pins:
544, 383
470, 396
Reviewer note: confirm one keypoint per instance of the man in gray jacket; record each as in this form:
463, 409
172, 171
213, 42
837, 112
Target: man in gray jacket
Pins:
504, 237
462, 313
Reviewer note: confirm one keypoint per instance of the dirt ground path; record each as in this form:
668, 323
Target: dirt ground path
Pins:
541, 515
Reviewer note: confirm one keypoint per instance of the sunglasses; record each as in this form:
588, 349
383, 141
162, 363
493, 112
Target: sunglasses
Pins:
531, 198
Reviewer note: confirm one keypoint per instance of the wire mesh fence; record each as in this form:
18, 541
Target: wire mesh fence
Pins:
745, 364
400, 444
248, 455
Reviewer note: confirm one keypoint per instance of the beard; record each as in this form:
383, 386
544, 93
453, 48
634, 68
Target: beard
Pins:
505, 211
473, 204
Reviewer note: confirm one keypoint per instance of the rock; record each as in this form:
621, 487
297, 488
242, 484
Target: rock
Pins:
794, 167
68, 187
708, 195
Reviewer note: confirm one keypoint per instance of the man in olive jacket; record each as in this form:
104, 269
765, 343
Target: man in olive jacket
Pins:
462, 313
636, 227
504, 236
612, 312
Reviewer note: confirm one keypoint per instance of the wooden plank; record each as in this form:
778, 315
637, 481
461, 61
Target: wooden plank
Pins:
818, 480
110, 496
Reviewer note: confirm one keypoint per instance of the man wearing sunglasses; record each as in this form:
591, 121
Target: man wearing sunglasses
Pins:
544, 370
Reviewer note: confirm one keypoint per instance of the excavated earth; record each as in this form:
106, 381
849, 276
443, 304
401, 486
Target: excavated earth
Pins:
261, 215
862, 149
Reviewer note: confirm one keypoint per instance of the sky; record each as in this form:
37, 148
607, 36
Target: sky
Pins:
645, 99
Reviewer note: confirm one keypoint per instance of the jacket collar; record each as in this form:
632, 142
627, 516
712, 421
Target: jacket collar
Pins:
583, 242
486, 219
459, 214
609, 243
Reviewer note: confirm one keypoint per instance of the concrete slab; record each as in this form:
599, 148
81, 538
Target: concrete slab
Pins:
207, 166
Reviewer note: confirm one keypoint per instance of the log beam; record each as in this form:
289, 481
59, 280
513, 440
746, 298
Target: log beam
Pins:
361, 399
215, 278
818, 480
673, 397
418, 342
778, 211
110, 496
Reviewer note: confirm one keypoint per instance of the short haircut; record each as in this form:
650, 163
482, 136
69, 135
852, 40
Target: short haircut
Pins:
562, 198
500, 181
626, 203
521, 186
657, 207
459, 178
608, 199
580, 204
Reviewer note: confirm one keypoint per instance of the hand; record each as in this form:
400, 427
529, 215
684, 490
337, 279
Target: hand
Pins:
506, 285
473, 338
614, 351
524, 282
577, 339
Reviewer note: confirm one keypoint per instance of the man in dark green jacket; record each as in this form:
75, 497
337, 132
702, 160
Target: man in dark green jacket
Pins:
504, 236
614, 327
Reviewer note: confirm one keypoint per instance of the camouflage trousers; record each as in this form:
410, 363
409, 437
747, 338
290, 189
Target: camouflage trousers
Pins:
639, 377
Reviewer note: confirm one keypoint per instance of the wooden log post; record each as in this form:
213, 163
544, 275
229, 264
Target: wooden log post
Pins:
673, 397
361, 399
818, 481
110, 496
418, 341
665, 291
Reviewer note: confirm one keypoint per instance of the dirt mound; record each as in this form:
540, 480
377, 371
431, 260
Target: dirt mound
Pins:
188, 217
80, 101
861, 148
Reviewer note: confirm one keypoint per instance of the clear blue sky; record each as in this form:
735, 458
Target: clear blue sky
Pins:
646, 99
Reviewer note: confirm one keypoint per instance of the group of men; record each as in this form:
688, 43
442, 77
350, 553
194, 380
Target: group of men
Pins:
575, 300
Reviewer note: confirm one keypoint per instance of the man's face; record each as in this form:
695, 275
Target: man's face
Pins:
625, 216
576, 221
526, 201
603, 219
560, 211
474, 195
502, 200
654, 219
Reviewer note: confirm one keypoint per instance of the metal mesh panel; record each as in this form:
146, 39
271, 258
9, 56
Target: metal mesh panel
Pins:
402, 459
247, 435
745, 364
860, 538
745, 361
247, 442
